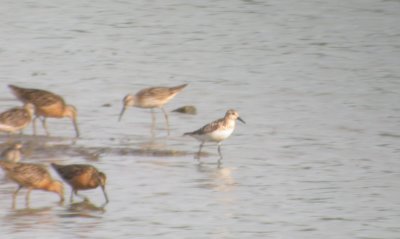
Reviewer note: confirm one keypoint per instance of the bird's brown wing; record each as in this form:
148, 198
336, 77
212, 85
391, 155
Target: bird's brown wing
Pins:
153, 92
68, 172
39, 98
14, 117
44, 99
208, 128
26, 174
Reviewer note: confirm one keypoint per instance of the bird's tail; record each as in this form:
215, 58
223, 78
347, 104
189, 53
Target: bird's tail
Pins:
17, 91
22, 94
178, 88
56, 166
188, 133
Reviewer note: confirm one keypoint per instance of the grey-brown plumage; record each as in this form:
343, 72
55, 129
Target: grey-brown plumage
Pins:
47, 105
81, 177
31, 176
16, 119
150, 98
12, 154
216, 131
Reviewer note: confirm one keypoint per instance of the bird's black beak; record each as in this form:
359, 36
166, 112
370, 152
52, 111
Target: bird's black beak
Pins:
105, 194
75, 123
122, 113
241, 120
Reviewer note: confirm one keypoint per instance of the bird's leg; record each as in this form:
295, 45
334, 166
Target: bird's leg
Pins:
71, 198
198, 153
153, 122
153, 117
27, 199
166, 118
81, 196
15, 196
219, 163
34, 125
219, 151
44, 123
105, 194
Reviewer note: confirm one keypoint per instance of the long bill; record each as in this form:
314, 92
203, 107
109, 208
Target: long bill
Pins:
241, 120
105, 194
122, 112
75, 123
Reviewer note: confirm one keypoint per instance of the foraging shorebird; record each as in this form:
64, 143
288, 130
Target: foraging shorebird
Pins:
31, 176
81, 177
16, 119
12, 154
150, 98
216, 131
47, 105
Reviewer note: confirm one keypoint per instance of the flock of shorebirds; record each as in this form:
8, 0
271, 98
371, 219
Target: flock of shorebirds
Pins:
42, 104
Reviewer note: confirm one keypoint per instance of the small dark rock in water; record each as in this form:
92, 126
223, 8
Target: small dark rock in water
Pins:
187, 109
106, 105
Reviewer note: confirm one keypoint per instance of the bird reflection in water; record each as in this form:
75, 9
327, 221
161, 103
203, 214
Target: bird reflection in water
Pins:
28, 211
18, 220
219, 178
86, 206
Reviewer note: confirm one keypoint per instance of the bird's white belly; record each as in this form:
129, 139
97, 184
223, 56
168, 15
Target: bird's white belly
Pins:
8, 128
217, 135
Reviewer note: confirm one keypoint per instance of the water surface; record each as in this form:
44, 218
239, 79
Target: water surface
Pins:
316, 81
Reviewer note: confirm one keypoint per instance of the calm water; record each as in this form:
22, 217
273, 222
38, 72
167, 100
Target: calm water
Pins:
316, 81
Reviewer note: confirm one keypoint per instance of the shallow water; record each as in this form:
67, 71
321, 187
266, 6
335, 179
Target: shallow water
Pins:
316, 81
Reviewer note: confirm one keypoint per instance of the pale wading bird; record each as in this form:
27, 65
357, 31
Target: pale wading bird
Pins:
31, 176
47, 105
150, 98
216, 131
81, 177
16, 119
12, 154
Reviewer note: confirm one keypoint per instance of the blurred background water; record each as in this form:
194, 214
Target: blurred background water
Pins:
316, 81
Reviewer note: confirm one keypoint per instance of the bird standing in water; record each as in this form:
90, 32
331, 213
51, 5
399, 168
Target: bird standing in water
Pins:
216, 131
47, 105
150, 98
81, 177
31, 176
16, 119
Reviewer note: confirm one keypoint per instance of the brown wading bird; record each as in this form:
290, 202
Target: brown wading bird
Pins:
81, 177
216, 131
31, 176
16, 119
12, 154
150, 98
47, 105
